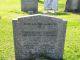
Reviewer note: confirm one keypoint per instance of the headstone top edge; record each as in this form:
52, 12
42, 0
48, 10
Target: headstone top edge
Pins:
14, 20
21, 17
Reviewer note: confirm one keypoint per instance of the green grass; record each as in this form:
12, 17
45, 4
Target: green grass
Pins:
10, 9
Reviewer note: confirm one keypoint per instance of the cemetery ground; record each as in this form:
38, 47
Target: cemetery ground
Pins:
10, 9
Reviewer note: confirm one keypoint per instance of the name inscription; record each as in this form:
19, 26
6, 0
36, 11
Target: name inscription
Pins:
39, 33
51, 29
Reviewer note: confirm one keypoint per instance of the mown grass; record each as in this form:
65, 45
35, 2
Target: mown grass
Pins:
10, 9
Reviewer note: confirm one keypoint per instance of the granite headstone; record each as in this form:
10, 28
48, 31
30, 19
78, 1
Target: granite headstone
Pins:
38, 36
72, 6
30, 6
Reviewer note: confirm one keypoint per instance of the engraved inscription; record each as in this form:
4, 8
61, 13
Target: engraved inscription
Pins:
47, 26
38, 33
40, 40
39, 23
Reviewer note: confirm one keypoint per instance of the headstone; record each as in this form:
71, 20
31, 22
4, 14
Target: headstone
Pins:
38, 36
51, 4
72, 6
30, 6
79, 6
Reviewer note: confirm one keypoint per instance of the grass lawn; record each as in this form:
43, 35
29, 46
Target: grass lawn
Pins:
10, 9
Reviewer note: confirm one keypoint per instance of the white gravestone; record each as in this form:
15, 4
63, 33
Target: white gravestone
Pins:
51, 5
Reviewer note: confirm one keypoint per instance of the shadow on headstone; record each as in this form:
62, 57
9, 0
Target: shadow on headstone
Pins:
73, 11
42, 56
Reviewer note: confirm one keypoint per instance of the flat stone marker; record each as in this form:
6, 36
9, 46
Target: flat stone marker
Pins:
30, 6
37, 36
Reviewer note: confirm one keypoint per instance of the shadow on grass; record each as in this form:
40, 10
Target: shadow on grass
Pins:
42, 2
0, 17
59, 13
76, 13
62, 13
17, 12
40, 12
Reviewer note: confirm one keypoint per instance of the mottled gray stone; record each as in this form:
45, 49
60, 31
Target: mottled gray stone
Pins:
72, 6
38, 36
30, 6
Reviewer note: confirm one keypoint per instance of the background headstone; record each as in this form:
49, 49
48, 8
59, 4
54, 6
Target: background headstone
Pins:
79, 6
38, 36
30, 6
72, 6
51, 4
